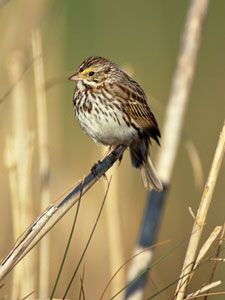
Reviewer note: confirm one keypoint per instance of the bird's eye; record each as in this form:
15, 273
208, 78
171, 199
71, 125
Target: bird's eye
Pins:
91, 73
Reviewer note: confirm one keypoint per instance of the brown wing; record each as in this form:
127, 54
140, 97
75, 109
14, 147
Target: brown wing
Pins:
144, 118
137, 108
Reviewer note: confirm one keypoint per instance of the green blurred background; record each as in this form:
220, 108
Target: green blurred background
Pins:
142, 36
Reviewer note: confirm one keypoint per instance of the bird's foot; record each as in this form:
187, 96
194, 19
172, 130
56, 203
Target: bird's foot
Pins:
109, 150
93, 169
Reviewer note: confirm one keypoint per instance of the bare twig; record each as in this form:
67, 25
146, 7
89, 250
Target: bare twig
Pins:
201, 217
55, 212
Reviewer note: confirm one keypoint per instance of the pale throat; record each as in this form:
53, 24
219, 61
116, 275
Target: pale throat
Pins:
83, 84
80, 85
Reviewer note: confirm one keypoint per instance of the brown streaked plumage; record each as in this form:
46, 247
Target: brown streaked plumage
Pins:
112, 109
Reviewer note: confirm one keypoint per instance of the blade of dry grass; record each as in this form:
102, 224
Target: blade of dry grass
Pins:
28, 295
125, 263
201, 217
178, 279
195, 163
82, 288
16, 82
219, 248
82, 294
207, 245
203, 289
88, 241
209, 294
67, 247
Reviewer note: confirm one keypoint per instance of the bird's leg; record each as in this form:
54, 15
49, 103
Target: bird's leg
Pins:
109, 150
93, 169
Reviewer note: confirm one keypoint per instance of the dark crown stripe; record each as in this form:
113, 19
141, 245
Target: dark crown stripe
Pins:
92, 61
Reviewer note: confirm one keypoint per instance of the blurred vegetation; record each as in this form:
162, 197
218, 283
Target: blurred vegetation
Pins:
144, 36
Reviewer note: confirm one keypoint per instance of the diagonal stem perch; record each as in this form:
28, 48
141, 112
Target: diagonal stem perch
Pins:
55, 212
201, 217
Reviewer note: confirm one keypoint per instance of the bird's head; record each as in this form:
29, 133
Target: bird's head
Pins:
94, 71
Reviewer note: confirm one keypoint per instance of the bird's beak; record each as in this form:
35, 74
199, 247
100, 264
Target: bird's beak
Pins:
75, 77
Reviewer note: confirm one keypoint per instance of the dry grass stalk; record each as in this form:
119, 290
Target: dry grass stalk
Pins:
207, 245
55, 212
42, 127
180, 89
10, 163
200, 218
116, 257
195, 163
206, 295
217, 258
203, 289
18, 159
178, 99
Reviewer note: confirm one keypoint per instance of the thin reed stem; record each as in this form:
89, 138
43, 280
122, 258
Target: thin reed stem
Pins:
42, 127
19, 154
114, 237
181, 86
171, 133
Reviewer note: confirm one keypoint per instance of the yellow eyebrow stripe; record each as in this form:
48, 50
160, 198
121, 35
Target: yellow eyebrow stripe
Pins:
88, 70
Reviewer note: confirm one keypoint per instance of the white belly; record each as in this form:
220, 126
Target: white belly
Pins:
107, 127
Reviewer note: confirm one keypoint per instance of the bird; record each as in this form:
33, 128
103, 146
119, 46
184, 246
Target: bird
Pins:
112, 109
